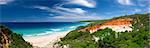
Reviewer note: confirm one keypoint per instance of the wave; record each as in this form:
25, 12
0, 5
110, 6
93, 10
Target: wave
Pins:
55, 29
72, 26
50, 31
40, 34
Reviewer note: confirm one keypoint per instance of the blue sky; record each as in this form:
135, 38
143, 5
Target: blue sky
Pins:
68, 10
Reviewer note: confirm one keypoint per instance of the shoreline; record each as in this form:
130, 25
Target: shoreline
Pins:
48, 39
45, 40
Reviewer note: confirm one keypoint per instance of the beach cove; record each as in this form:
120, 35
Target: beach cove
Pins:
45, 40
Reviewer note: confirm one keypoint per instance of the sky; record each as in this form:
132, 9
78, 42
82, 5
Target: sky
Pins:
68, 10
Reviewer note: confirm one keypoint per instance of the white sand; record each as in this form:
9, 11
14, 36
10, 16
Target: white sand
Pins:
45, 40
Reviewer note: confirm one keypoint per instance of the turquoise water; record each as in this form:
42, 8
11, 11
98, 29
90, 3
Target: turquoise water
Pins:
42, 28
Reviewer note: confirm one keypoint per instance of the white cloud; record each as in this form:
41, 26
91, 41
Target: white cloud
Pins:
3, 2
137, 10
68, 14
42, 8
73, 10
125, 2
61, 10
78, 17
87, 3
143, 3
51, 14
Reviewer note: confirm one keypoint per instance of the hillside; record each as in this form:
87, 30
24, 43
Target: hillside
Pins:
138, 35
9, 39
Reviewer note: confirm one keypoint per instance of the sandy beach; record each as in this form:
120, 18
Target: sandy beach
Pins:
45, 40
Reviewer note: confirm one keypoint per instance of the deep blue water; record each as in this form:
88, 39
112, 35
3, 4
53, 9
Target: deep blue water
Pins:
41, 28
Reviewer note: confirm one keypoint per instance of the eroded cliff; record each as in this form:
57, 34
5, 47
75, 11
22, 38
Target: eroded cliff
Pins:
9, 39
118, 25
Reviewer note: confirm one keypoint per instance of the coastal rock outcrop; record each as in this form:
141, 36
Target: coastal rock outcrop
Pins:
4, 37
8, 39
118, 25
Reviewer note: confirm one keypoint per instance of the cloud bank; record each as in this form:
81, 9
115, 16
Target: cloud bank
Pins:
3, 2
71, 13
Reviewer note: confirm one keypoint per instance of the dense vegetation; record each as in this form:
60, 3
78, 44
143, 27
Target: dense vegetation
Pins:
15, 40
138, 38
18, 42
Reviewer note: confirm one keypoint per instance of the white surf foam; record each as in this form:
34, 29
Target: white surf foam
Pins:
55, 29
72, 26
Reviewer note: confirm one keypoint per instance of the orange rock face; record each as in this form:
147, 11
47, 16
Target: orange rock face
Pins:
116, 23
125, 21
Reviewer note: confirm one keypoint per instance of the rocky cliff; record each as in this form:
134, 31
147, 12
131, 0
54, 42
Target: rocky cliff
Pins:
118, 25
4, 40
9, 39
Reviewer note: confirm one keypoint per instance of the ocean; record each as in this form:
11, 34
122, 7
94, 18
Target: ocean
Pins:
42, 28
